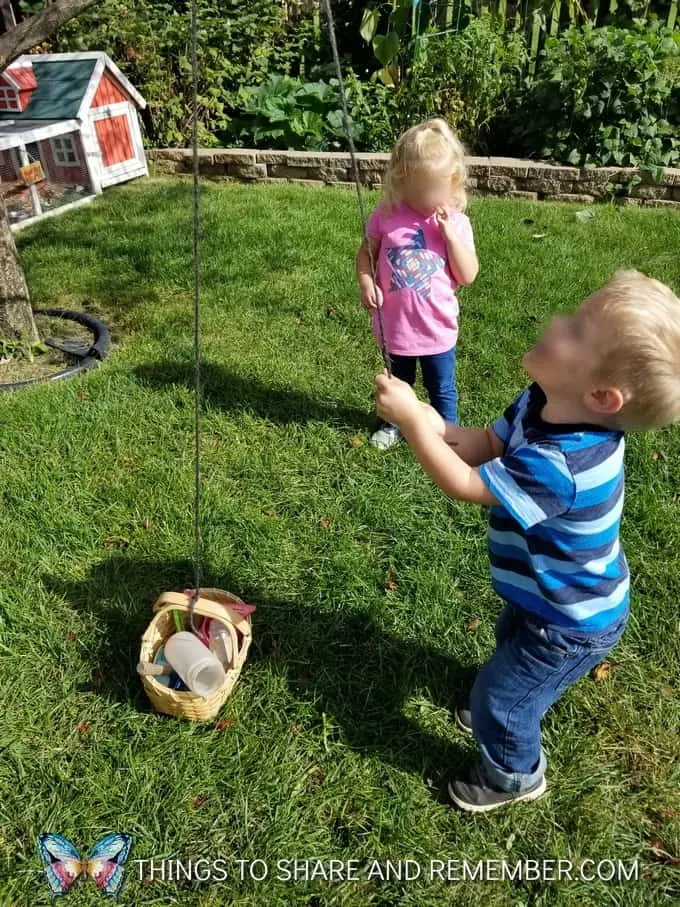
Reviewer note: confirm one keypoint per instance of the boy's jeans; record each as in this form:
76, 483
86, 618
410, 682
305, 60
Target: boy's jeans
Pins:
439, 378
534, 663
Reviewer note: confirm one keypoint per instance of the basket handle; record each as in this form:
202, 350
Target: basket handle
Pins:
206, 606
172, 601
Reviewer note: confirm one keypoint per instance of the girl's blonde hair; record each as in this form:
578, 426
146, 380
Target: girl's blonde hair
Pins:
430, 147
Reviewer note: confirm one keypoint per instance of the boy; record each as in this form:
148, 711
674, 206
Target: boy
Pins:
551, 469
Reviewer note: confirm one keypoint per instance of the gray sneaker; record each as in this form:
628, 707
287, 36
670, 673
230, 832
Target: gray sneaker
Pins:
476, 794
386, 436
463, 715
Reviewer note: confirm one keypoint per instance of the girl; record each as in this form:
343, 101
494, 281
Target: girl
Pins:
422, 247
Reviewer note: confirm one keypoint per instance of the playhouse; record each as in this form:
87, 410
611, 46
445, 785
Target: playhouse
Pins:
69, 127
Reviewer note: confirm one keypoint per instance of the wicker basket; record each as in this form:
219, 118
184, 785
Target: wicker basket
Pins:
211, 603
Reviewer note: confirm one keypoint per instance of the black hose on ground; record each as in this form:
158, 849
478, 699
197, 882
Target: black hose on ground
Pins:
96, 354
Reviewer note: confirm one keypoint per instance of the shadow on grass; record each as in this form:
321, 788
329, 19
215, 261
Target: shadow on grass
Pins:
353, 671
241, 393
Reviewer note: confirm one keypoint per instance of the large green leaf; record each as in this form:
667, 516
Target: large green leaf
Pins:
369, 24
386, 47
389, 75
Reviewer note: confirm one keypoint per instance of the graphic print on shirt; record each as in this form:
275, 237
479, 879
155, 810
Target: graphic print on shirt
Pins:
413, 265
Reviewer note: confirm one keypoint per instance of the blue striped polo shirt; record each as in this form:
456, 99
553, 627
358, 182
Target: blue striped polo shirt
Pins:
554, 537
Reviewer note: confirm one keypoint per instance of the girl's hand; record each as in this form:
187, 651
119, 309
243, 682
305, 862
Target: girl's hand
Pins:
396, 400
444, 221
371, 295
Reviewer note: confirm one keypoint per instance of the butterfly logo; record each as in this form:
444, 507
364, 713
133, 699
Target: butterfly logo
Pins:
104, 863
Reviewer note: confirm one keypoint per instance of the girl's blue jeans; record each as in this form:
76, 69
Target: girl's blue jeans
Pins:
439, 378
534, 663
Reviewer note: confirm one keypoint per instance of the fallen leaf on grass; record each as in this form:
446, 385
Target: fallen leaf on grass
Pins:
296, 729
224, 723
473, 623
325, 524
70, 636
269, 512
391, 582
357, 441
83, 727
658, 455
199, 801
147, 524
661, 854
601, 671
330, 312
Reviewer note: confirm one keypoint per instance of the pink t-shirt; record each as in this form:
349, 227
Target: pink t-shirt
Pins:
420, 309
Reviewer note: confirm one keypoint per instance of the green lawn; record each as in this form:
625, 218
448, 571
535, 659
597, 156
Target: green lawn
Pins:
364, 575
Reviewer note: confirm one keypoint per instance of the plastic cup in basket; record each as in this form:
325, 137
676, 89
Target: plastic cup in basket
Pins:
218, 605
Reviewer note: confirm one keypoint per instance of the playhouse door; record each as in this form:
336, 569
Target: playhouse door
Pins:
120, 145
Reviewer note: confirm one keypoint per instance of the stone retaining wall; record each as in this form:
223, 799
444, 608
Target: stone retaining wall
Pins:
507, 177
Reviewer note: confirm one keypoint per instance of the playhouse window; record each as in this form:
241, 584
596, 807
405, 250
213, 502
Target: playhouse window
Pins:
65, 151
9, 98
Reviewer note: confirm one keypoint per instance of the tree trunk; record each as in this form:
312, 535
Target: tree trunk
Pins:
16, 315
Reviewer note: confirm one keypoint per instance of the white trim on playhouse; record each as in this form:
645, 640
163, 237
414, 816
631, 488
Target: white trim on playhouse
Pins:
36, 133
136, 166
34, 220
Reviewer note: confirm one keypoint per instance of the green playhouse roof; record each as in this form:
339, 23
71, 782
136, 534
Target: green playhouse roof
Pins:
61, 87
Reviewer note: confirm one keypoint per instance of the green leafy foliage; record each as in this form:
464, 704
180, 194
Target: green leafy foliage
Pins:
288, 113
239, 43
468, 77
605, 96
599, 96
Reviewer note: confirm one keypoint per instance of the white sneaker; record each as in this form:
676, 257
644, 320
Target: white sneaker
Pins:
386, 436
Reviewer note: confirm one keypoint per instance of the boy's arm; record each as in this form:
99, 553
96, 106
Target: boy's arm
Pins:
473, 445
445, 467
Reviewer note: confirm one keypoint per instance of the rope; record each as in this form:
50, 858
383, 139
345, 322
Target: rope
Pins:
197, 318
355, 171
196, 260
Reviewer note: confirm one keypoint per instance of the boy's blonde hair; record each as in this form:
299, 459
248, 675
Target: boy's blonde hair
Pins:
642, 355
429, 146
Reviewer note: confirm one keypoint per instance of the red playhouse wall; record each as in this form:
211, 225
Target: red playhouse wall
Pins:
76, 175
115, 140
7, 172
108, 92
